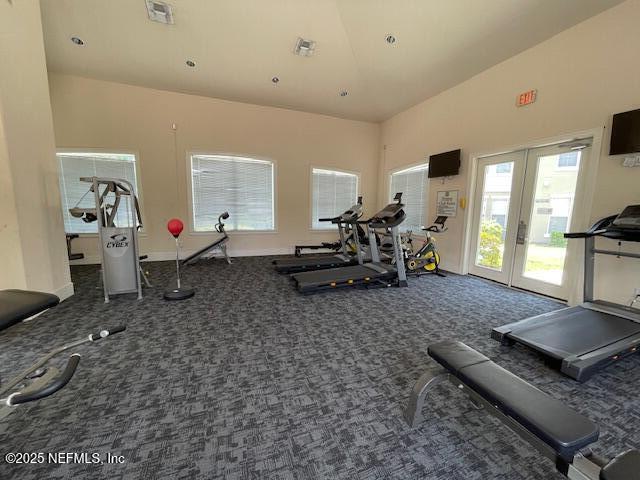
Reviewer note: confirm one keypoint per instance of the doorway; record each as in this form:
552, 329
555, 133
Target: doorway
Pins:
524, 203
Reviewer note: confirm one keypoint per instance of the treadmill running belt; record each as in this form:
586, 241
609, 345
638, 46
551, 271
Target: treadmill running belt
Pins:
309, 264
577, 332
289, 262
338, 275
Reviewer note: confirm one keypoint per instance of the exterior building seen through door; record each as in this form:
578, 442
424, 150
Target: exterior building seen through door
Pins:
523, 206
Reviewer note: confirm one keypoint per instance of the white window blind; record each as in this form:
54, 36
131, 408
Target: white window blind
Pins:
333, 193
414, 184
240, 185
73, 165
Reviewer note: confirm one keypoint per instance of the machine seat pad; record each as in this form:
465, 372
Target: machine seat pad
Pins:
16, 305
563, 429
625, 466
455, 355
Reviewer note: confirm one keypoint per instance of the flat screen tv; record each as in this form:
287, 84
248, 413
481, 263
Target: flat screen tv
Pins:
625, 133
444, 164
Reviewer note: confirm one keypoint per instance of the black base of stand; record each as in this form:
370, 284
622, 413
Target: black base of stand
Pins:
179, 294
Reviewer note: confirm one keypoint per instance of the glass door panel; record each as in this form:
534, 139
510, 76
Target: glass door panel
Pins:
495, 215
547, 206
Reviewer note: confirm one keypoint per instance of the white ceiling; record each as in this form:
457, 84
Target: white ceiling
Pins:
239, 45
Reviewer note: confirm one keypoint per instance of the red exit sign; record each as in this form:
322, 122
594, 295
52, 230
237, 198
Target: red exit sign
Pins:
526, 98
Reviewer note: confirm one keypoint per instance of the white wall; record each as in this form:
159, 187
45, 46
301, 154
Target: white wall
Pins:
97, 114
32, 244
583, 76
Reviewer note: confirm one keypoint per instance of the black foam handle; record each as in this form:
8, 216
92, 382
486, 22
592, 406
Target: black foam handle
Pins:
109, 331
118, 329
55, 385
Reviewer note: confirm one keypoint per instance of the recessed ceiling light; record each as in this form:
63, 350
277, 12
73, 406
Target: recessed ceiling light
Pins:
343, 93
77, 41
275, 79
390, 39
191, 63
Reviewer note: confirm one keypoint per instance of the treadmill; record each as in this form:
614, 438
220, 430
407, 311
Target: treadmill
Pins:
370, 274
347, 228
581, 340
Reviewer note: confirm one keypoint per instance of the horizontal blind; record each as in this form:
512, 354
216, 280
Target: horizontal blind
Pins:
413, 183
333, 193
239, 185
73, 165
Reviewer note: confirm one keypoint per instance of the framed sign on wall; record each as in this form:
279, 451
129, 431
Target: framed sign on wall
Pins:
447, 203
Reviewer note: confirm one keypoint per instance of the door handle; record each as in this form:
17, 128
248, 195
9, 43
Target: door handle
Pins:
521, 237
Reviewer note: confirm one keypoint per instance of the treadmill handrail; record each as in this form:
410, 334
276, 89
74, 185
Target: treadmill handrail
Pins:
605, 228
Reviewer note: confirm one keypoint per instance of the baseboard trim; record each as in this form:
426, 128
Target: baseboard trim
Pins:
171, 255
65, 291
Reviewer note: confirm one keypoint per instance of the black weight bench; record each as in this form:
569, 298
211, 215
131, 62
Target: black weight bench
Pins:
40, 380
18, 305
555, 430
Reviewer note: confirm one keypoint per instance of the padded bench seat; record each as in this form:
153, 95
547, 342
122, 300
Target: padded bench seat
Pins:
17, 305
557, 425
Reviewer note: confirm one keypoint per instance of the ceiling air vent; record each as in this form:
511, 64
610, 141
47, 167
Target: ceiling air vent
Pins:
304, 48
159, 12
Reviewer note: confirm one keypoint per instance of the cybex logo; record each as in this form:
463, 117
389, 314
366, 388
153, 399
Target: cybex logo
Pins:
118, 241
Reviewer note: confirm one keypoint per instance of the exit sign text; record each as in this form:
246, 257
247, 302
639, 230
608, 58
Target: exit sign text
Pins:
526, 98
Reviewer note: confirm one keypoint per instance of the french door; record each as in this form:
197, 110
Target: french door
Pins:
524, 204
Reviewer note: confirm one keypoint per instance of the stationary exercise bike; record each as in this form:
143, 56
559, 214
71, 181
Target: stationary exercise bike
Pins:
426, 259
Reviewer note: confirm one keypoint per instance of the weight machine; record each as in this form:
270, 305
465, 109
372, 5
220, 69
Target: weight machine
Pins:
119, 250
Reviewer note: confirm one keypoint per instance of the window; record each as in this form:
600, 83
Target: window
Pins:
498, 213
560, 213
568, 160
241, 186
413, 183
504, 167
73, 165
333, 193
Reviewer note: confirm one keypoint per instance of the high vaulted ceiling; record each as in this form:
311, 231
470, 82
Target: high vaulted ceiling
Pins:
240, 45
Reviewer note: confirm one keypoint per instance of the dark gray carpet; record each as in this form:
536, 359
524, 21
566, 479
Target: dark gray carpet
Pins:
251, 380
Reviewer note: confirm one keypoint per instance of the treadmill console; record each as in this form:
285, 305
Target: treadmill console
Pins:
352, 214
391, 215
629, 218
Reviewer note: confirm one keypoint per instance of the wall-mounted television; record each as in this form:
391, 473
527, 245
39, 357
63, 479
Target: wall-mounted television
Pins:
444, 164
625, 133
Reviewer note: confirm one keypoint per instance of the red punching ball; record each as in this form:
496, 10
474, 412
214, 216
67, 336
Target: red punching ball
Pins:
175, 227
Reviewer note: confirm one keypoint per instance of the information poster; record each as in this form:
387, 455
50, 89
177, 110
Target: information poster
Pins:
447, 203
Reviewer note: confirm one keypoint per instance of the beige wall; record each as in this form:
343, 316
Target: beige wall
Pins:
30, 197
97, 114
582, 75
12, 274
